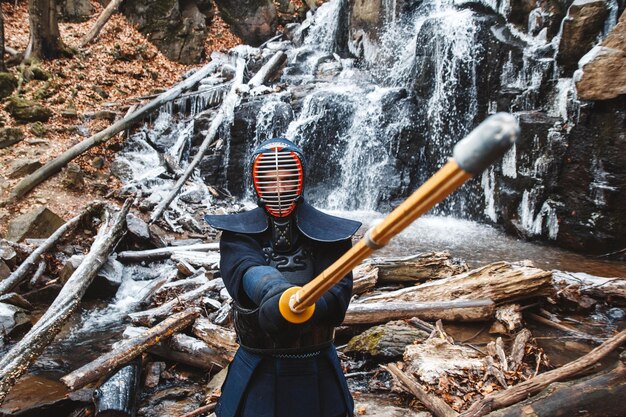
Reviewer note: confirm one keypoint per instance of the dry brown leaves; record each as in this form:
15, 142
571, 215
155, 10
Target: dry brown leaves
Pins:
108, 74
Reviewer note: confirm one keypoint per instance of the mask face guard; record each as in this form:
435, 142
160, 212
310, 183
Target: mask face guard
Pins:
278, 178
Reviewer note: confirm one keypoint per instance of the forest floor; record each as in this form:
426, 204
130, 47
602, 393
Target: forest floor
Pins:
109, 74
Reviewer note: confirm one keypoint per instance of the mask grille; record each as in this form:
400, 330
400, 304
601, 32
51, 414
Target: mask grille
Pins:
278, 178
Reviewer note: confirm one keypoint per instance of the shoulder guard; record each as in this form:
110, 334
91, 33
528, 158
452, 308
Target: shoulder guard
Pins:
312, 223
248, 222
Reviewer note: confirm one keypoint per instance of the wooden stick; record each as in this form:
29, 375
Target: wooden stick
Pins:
460, 310
161, 253
230, 102
54, 166
15, 362
270, 67
562, 327
102, 19
434, 404
19, 274
106, 363
532, 386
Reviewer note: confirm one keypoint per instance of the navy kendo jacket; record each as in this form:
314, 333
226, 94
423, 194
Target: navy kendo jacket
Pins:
296, 372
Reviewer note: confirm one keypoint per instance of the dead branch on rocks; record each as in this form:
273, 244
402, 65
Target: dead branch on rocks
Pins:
20, 273
151, 316
521, 391
228, 105
100, 22
15, 362
129, 350
433, 403
268, 70
54, 166
161, 253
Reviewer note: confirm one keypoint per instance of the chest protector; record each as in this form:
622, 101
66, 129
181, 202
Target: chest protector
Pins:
289, 253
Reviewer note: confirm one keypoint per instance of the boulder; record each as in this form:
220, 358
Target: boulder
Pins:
177, 29
8, 84
22, 167
137, 227
39, 223
74, 10
73, 177
603, 69
4, 270
10, 136
581, 27
11, 317
107, 281
70, 267
26, 111
254, 21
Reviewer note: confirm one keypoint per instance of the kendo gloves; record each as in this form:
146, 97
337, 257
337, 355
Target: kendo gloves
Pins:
264, 285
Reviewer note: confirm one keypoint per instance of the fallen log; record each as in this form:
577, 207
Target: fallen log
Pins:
562, 327
462, 310
55, 165
209, 261
532, 386
499, 281
598, 395
365, 278
186, 350
433, 403
268, 70
128, 351
15, 362
597, 287
216, 337
100, 22
20, 273
386, 341
226, 109
162, 253
151, 316
518, 349
417, 268
117, 396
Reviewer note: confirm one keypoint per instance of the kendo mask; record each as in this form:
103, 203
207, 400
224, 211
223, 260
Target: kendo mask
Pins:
278, 176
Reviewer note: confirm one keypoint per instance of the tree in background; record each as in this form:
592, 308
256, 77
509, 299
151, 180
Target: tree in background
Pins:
2, 67
45, 38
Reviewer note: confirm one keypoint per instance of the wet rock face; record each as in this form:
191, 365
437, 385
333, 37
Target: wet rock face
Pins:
581, 27
177, 28
604, 67
593, 180
254, 21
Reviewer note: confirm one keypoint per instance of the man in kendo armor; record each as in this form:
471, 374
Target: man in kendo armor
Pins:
283, 369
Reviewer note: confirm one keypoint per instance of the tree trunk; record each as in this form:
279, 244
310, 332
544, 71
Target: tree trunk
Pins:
462, 310
3, 68
20, 273
117, 396
595, 396
129, 350
102, 19
15, 362
45, 39
417, 268
532, 386
499, 281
